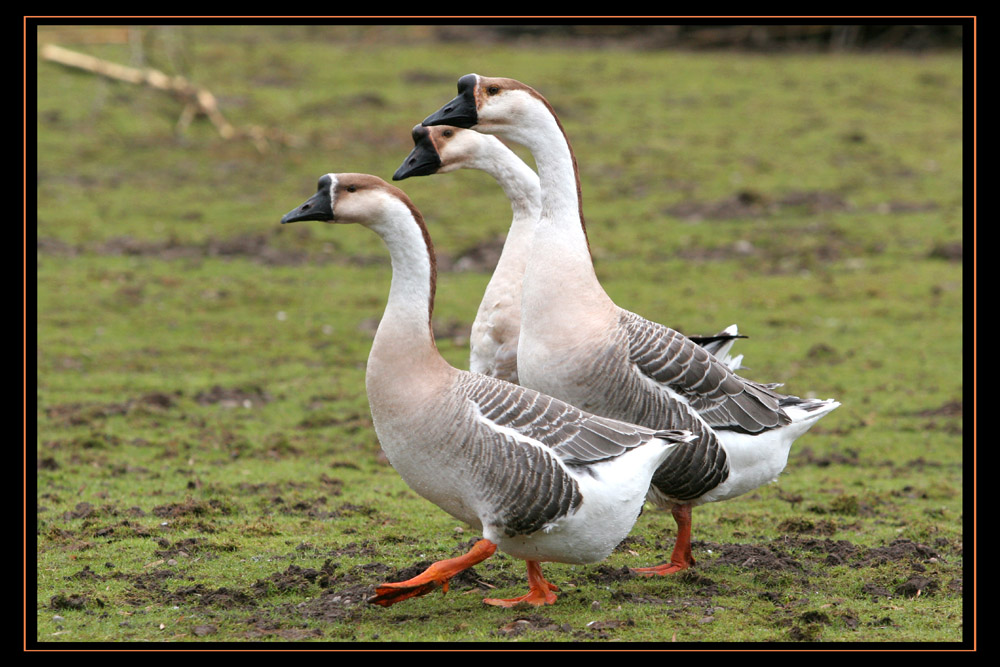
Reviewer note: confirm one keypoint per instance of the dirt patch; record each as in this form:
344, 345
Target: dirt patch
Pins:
86, 574
265, 628
255, 246
72, 602
806, 455
806, 525
264, 248
916, 586
234, 397
895, 552
201, 595
296, 578
80, 511
122, 530
951, 252
949, 409
190, 546
197, 508
524, 624
76, 414
756, 557
336, 605
366, 549
481, 257
752, 204
603, 574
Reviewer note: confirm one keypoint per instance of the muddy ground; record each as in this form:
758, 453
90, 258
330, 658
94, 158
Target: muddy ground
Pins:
286, 604
335, 597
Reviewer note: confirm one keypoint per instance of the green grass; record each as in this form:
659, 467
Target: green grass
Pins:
206, 467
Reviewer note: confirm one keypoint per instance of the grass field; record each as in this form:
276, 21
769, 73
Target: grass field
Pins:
206, 467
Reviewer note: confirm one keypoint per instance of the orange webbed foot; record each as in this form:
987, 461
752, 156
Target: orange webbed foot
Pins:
540, 593
391, 593
666, 568
681, 558
435, 576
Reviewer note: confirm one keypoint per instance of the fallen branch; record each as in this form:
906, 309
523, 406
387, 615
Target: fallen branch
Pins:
197, 100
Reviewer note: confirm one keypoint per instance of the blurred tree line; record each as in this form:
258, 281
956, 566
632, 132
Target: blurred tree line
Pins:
174, 39
759, 37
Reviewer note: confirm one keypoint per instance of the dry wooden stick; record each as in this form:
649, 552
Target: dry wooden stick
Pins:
197, 100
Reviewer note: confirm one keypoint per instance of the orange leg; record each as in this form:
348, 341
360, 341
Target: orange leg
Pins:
539, 594
437, 575
681, 559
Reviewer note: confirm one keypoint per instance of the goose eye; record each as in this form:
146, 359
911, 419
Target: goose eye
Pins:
352, 188
493, 90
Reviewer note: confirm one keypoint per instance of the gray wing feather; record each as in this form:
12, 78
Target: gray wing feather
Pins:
573, 435
722, 398
523, 486
534, 489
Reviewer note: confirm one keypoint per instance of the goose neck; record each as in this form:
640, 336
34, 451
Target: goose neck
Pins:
518, 181
405, 328
542, 133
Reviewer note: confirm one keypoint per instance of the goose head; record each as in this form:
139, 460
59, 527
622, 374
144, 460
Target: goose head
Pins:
350, 198
493, 105
441, 149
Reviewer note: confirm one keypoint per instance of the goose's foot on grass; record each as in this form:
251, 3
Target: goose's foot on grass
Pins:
540, 593
681, 558
435, 576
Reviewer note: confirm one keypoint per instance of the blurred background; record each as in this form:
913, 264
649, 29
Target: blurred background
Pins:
186, 143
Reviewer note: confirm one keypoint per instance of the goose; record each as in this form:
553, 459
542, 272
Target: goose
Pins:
578, 345
542, 480
493, 340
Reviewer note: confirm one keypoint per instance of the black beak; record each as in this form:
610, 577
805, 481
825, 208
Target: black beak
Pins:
461, 111
317, 207
423, 160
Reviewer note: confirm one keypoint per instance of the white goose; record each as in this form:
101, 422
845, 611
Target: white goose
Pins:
578, 345
493, 340
542, 479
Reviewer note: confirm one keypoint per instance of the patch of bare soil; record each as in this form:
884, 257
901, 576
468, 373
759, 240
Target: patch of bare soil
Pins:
233, 397
336, 604
896, 551
481, 257
265, 248
529, 623
948, 409
806, 455
255, 246
201, 595
806, 525
952, 252
771, 558
73, 601
191, 507
752, 204
76, 414
834, 552
297, 578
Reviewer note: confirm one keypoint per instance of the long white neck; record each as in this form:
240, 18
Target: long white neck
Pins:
560, 255
518, 180
405, 331
520, 184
